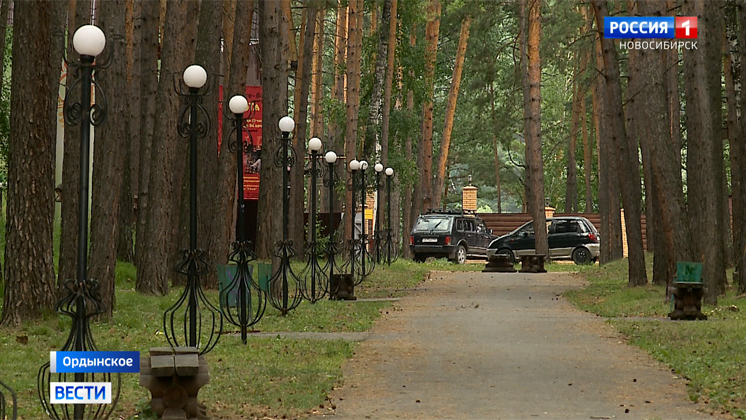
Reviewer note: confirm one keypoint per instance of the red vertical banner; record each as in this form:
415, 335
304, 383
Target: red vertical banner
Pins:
252, 139
253, 157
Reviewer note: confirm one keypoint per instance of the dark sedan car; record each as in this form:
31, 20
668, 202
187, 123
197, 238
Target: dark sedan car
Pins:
569, 238
451, 235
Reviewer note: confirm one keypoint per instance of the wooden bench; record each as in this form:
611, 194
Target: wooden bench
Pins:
533, 263
499, 264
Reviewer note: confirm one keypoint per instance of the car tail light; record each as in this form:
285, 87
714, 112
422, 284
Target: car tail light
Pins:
411, 240
592, 237
448, 240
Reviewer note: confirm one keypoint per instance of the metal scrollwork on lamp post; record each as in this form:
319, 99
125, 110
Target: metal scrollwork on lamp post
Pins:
314, 281
285, 289
392, 252
4, 403
200, 320
331, 249
83, 300
378, 243
243, 301
365, 268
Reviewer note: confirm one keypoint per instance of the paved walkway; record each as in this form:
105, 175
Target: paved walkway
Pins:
503, 346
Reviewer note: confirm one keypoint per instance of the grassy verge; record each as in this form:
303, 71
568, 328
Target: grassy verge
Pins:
709, 354
273, 377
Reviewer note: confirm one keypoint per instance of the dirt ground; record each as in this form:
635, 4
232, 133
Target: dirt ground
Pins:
504, 346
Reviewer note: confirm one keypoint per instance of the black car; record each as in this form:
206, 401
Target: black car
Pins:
451, 235
569, 237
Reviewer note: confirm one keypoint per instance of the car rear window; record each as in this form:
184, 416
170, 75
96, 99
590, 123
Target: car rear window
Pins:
433, 224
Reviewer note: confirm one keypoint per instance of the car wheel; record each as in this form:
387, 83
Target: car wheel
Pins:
460, 255
508, 252
419, 258
582, 256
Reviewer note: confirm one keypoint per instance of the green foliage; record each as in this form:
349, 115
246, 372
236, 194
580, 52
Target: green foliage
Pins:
5, 106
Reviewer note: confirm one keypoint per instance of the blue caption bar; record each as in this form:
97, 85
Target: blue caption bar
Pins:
94, 361
639, 27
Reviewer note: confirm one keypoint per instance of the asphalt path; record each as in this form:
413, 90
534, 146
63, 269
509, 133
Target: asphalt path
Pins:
504, 346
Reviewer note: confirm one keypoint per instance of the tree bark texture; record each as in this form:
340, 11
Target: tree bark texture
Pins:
432, 30
303, 84
705, 149
388, 85
411, 209
608, 190
673, 242
736, 99
206, 55
149, 50
629, 168
375, 111
227, 185
317, 94
450, 113
107, 163
29, 266
272, 28
160, 247
354, 59
532, 124
587, 157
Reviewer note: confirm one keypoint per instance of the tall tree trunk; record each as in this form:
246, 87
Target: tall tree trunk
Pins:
70, 171
629, 168
411, 209
303, 83
432, 30
338, 92
734, 76
705, 150
207, 55
149, 51
379, 79
29, 266
388, 87
673, 242
445, 142
272, 29
107, 165
317, 93
227, 189
587, 157
354, 52
130, 148
159, 258
578, 94
532, 124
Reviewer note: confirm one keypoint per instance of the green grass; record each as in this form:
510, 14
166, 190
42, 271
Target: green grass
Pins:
709, 354
268, 377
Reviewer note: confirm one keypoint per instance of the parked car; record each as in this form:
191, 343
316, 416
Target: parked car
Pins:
569, 238
455, 236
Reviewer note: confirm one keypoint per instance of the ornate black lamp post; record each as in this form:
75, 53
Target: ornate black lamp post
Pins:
4, 403
389, 244
314, 280
377, 236
201, 321
364, 254
83, 300
248, 307
329, 181
285, 290
352, 243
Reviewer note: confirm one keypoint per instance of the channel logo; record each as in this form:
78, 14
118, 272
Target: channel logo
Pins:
80, 393
94, 361
681, 27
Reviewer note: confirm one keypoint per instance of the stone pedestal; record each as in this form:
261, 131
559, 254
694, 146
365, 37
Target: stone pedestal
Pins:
533, 263
499, 264
687, 301
174, 377
342, 287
